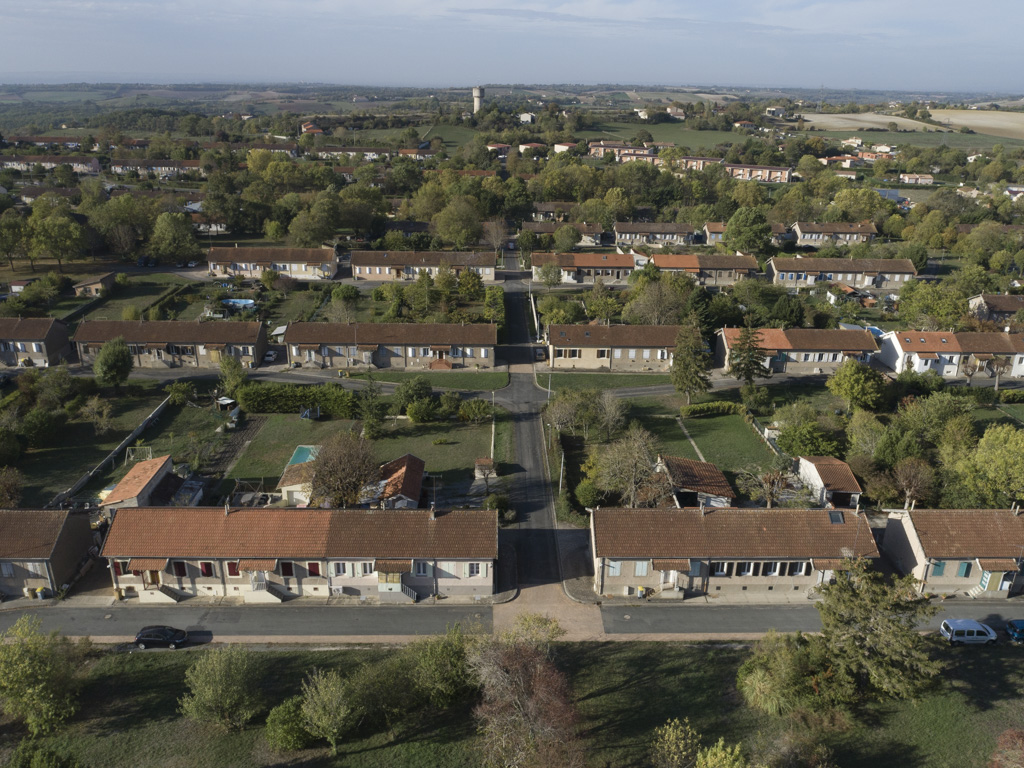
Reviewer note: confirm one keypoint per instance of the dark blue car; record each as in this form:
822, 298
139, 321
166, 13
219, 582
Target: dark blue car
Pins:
1015, 629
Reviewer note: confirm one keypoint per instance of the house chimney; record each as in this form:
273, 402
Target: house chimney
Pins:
432, 515
227, 507
703, 508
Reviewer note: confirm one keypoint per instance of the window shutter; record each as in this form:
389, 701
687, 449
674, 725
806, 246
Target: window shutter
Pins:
483, 569
465, 570
939, 568
430, 569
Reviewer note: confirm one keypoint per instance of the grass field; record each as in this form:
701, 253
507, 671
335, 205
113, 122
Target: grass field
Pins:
466, 380
266, 456
583, 380
452, 135
1016, 410
48, 471
674, 132
728, 442
141, 291
127, 713
658, 416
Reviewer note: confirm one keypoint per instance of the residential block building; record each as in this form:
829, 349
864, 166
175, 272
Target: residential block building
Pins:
612, 347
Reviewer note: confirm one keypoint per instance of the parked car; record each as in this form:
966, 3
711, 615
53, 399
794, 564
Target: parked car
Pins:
193, 264
967, 631
1015, 629
160, 636
270, 357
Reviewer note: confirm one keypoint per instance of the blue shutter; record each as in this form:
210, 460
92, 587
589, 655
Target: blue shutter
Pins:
939, 568
964, 570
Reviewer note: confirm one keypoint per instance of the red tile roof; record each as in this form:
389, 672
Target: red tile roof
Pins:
697, 261
835, 474
404, 476
700, 476
816, 339
482, 334
137, 479
167, 332
306, 256
26, 328
969, 533
30, 534
850, 266
395, 259
195, 532
641, 336
585, 260
730, 533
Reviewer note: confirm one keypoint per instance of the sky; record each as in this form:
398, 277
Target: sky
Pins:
937, 45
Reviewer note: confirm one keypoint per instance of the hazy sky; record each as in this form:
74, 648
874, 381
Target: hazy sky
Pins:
871, 44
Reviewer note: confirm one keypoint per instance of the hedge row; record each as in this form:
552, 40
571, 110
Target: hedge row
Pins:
332, 399
714, 408
980, 395
1011, 396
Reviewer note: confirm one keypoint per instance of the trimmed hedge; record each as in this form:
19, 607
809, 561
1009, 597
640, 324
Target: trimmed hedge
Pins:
1005, 396
714, 408
980, 395
333, 399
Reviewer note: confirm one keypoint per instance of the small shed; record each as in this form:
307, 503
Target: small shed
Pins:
95, 286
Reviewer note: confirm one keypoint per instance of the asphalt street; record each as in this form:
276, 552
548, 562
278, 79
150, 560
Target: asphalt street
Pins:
213, 623
697, 617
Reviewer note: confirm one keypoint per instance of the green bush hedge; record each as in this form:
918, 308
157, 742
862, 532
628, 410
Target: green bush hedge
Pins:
292, 398
980, 395
1005, 396
714, 408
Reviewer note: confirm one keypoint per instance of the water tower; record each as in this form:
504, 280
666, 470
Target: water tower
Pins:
478, 98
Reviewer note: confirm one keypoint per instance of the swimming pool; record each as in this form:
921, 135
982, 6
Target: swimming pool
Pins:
239, 303
302, 454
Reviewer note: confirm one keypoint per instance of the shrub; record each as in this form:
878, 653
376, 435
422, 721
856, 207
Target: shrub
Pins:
223, 687
756, 399
286, 730
497, 501
588, 494
714, 408
1005, 396
421, 411
449, 405
41, 426
333, 400
980, 395
121, 279
31, 754
10, 447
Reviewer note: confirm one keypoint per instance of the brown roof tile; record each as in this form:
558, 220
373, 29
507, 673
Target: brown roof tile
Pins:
642, 336
927, 341
296, 474
835, 474
138, 477
270, 255
998, 302
816, 339
483, 334
729, 533
700, 476
30, 534
654, 228
167, 332
585, 260
26, 328
269, 533
422, 259
550, 227
839, 228
969, 533
786, 264
404, 476
696, 261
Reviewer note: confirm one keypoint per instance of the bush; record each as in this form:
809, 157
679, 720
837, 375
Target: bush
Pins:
30, 754
333, 400
497, 501
286, 730
223, 687
756, 399
41, 426
980, 395
450, 403
1005, 396
421, 411
714, 408
10, 447
588, 494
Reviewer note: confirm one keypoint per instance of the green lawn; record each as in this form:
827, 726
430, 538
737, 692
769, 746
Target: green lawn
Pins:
452, 135
48, 471
658, 416
141, 291
602, 380
297, 304
468, 380
127, 714
1016, 410
986, 417
676, 132
267, 454
728, 442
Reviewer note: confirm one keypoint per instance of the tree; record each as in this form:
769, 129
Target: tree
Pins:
12, 235
286, 726
675, 745
747, 357
37, 675
994, 470
181, 392
223, 687
625, 465
232, 375
691, 362
566, 237
325, 706
765, 483
458, 222
344, 465
748, 231
114, 363
58, 237
526, 242
471, 285
610, 413
417, 388
475, 411
173, 237
550, 274
441, 667
655, 303
268, 277
915, 478
860, 385
495, 234
97, 411
807, 439
870, 631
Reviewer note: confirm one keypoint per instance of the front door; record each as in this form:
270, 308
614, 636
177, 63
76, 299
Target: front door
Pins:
151, 578
1006, 581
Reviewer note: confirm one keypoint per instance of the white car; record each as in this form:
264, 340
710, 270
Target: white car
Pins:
967, 631
270, 357
193, 264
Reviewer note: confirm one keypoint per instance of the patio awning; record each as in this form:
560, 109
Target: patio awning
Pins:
155, 345
440, 347
308, 346
682, 565
367, 347
826, 563
265, 564
147, 563
216, 346
393, 566
927, 356
983, 356
995, 564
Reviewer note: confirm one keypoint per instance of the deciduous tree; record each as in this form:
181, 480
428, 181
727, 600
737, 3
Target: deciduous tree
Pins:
223, 687
344, 465
114, 363
325, 706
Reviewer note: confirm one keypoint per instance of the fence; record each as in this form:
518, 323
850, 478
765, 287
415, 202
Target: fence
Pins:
762, 432
88, 476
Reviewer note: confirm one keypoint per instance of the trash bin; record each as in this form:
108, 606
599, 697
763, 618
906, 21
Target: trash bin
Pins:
40, 593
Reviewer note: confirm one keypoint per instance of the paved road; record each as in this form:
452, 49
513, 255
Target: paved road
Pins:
696, 617
285, 621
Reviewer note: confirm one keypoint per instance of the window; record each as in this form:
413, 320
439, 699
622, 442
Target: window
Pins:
340, 569
313, 569
798, 568
367, 568
179, 568
425, 352
720, 569
614, 567
835, 517
474, 569
770, 569
964, 570
287, 569
647, 354
411, 352
695, 568
232, 568
468, 351
422, 568
663, 354
632, 354
602, 354
640, 568
206, 569
484, 352
745, 569
939, 568
618, 354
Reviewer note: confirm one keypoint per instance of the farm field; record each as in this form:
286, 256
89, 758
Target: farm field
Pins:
859, 121
674, 132
934, 138
1007, 124
127, 714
